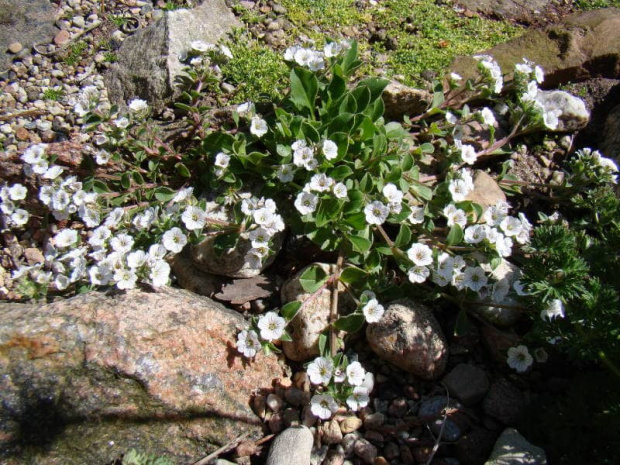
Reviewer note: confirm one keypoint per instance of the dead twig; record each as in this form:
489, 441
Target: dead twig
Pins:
225, 448
18, 114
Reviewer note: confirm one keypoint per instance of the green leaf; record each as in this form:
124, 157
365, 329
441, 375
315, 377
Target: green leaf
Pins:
224, 242
313, 278
352, 275
336, 88
341, 123
322, 344
406, 162
362, 97
327, 211
340, 172
404, 236
286, 337
394, 130
438, 97
455, 236
495, 262
421, 191
463, 324
289, 310
366, 183
137, 178
350, 323
350, 62
347, 104
125, 181
182, 170
375, 86
164, 194
304, 87
360, 244
100, 187
356, 221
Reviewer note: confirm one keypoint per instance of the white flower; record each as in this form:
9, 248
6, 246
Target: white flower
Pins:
500, 290
524, 68
114, 218
66, 238
376, 212
100, 275
61, 282
474, 278
323, 406
554, 310
355, 374
258, 126
418, 274
263, 216
458, 189
226, 51
253, 261
330, 149
511, 226
487, 116
121, 122
339, 375
271, 326
420, 254
18, 192
160, 273
156, 252
60, 200
358, 399
222, 160
183, 194
34, 154
289, 54
248, 343
519, 358
551, 118
138, 105
455, 77
201, 46
306, 202
194, 218
332, 49
441, 280
136, 259
392, 193
495, 214
320, 370
321, 182
302, 155
539, 74
102, 157
455, 215
373, 311
445, 265
417, 215
122, 243
340, 191
475, 234
20, 217
519, 288
90, 216
468, 154
541, 355
174, 240
285, 173
244, 108
125, 279
451, 117
503, 245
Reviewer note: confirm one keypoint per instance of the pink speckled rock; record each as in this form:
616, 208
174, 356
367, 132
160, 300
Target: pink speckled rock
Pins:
409, 336
88, 378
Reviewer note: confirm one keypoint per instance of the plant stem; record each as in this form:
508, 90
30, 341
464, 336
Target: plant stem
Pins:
333, 312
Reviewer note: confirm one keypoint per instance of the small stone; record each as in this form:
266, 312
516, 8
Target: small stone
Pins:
274, 402
22, 134
330, 432
350, 424
398, 408
294, 396
291, 417
467, 383
292, 446
511, 449
422, 454
391, 451
15, 47
365, 450
381, 461
259, 406
78, 21
62, 37
504, 402
334, 457
405, 455
374, 420
276, 423
374, 436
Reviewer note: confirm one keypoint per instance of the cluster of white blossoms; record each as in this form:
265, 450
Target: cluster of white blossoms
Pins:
313, 59
349, 378
265, 223
497, 231
460, 185
87, 100
271, 327
10, 199
376, 212
594, 165
490, 67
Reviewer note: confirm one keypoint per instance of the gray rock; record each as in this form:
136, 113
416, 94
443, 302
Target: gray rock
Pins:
25, 22
312, 319
583, 45
365, 450
574, 114
434, 407
292, 447
504, 402
409, 336
525, 11
402, 100
467, 383
99, 374
148, 61
513, 449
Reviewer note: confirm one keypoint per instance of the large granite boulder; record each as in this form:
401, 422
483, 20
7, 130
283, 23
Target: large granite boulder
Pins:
86, 379
27, 22
524, 11
409, 336
582, 46
148, 61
